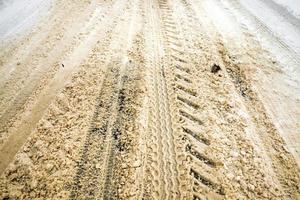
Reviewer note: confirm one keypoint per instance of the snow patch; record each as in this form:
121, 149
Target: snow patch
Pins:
292, 6
16, 16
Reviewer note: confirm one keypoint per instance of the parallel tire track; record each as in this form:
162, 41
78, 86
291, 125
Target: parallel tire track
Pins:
188, 109
26, 81
163, 168
26, 89
272, 143
96, 175
92, 164
39, 104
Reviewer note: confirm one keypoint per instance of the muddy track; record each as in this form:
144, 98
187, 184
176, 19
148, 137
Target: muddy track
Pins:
263, 124
100, 171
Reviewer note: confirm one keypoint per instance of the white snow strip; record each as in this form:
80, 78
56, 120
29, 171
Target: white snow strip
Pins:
222, 22
17, 15
292, 6
288, 33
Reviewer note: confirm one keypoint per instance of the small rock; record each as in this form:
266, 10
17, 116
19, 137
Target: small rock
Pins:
24, 159
251, 187
124, 166
49, 167
136, 163
215, 68
98, 166
33, 184
230, 176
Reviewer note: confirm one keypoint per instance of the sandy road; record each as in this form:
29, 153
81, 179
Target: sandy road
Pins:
118, 100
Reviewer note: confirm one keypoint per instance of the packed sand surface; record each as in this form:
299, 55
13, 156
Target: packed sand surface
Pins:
149, 99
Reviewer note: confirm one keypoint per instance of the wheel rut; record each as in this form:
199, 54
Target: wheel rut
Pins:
159, 110
100, 171
57, 83
188, 110
263, 125
162, 168
97, 160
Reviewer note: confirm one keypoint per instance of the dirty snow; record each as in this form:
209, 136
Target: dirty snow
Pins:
17, 16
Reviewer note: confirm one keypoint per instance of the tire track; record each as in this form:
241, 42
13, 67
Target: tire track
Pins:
97, 175
86, 182
175, 59
187, 103
155, 165
205, 171
163, 168
43, 100
271, 141
38, 75
113, 134
188, 108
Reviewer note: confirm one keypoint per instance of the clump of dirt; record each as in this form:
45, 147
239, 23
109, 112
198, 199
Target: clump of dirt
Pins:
215, 68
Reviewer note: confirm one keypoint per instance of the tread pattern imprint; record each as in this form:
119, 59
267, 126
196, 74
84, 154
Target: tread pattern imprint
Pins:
186, 133
165, 126
178, 165
109, 164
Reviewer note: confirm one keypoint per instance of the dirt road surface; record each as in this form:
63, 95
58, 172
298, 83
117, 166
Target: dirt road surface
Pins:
149, 99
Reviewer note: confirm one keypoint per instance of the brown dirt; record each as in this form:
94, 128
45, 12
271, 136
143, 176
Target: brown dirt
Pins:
152, 103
